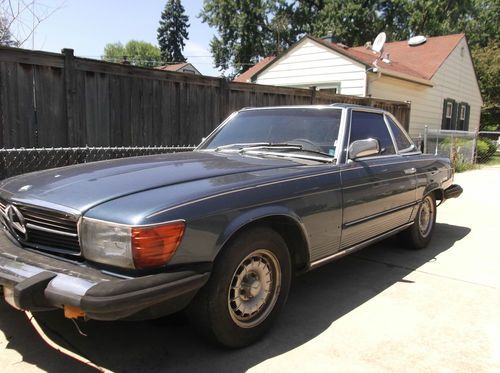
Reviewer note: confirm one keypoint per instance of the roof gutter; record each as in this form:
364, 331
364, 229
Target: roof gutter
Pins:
406, 77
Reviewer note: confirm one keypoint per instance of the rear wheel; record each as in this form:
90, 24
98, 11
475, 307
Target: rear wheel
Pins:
420, 233
248, 287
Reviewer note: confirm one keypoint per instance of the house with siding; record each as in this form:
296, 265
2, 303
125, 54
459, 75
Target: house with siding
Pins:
437, 76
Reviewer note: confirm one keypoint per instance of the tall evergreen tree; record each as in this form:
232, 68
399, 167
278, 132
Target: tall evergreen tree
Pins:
173, 31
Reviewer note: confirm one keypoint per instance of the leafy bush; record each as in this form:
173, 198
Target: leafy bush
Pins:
485, 149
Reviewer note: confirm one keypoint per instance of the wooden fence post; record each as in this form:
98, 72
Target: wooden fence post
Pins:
69, 95
313, 94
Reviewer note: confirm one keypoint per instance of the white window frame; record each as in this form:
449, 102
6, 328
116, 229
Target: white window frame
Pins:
449, 110
463, 110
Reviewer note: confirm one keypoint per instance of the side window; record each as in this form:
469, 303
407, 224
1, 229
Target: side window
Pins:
366, 125
402, 141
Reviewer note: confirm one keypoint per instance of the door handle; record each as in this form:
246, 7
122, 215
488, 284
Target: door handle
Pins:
410, 171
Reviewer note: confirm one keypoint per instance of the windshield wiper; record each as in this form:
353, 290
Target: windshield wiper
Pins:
285, 146
241, 145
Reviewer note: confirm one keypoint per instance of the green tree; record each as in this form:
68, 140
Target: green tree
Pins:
483, 24
244, 31
487, 64
173, 31
138, 53
438, 17
351, 22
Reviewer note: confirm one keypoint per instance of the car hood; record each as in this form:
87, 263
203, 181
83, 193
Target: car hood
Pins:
82, 187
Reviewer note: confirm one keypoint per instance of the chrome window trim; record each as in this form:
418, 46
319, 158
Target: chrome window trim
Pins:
341, 137
394, 143
405, 150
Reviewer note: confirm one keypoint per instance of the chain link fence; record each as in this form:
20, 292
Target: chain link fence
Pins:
465, 149
18, 161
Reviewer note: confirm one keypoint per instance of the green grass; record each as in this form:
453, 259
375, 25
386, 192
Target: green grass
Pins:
462, 167
494, 161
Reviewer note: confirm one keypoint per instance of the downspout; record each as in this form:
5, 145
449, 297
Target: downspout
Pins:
373, 70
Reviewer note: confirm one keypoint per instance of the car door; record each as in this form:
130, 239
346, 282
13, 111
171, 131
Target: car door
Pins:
378, 191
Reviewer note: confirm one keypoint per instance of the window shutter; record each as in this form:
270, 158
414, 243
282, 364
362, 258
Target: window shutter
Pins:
467, 116
447, 123
454, 115
444, 122
460, 122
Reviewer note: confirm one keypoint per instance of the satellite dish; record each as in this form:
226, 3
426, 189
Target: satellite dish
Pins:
417, 40
378, 44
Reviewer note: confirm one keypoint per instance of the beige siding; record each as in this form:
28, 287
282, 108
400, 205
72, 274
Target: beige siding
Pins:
455, 79
311, 64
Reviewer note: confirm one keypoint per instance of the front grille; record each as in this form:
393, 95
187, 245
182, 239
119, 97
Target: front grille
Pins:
48, 229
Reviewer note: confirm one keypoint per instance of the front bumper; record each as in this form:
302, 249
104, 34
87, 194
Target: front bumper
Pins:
34, 282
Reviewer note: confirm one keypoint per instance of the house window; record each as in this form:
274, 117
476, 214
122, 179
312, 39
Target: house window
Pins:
449, 110
462, 112
332, 88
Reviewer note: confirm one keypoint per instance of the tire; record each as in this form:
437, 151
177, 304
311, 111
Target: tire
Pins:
236, 308
420, 233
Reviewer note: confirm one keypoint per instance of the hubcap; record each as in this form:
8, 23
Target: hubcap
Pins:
254, 288
426, 217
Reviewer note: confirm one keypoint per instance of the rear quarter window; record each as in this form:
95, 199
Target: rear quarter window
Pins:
402, 141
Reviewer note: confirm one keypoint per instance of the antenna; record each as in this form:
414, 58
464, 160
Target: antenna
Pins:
378, 44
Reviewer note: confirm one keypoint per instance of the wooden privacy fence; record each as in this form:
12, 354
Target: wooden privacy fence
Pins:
58, 100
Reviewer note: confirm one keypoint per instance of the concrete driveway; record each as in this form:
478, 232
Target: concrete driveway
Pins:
382, 309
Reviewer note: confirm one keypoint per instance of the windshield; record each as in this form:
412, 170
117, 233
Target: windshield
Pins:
310, 128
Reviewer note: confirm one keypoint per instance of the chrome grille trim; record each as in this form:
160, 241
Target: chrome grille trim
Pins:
48, 229
2, 207
38, 228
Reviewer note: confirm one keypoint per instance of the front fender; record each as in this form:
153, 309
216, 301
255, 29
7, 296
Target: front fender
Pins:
260, 213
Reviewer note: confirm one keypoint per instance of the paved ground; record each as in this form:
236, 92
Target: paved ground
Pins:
381, 309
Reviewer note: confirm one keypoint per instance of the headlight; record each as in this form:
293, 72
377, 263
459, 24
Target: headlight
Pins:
130, 247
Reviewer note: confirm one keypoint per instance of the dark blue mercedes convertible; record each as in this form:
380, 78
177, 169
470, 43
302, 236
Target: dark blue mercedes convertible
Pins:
219, 231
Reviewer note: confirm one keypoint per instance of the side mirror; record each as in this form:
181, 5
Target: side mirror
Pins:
364, 148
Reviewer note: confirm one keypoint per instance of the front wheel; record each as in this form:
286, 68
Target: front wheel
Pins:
248, 287
420, 233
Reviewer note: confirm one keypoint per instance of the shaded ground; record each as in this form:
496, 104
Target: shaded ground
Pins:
381, 309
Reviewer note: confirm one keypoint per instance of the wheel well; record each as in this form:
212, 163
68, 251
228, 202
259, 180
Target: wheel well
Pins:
291, 232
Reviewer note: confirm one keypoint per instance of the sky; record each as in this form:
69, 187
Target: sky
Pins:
88, 25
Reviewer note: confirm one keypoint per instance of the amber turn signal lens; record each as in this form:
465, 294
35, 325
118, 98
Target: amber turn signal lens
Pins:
155, 246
